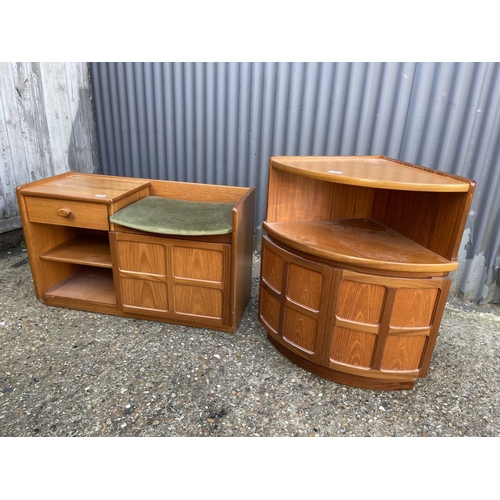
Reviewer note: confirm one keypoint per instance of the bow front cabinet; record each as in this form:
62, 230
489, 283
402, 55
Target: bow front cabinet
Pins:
355, 265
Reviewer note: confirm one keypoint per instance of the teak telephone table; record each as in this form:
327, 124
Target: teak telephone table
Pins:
81, 259
355, 264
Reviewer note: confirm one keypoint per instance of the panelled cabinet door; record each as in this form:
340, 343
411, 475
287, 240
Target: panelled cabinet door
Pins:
198, 279
383, 327
292, 295
172, 278
142, 280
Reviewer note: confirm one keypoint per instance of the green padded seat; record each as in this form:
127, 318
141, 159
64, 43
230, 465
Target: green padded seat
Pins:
169, 216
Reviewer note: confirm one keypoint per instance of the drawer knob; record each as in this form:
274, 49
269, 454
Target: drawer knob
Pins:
64, 212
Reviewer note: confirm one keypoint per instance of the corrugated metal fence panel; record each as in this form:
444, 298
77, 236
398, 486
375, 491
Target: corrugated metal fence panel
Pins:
46, 127
220, 123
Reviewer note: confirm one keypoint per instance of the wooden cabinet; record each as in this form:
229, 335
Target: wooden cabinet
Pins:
174, 279
79, 259
65, 224
354, 271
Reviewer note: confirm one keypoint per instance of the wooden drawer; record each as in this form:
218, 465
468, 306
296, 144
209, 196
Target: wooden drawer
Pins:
67, 213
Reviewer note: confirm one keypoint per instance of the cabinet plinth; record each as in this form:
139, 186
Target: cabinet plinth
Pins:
354, 270
80, 259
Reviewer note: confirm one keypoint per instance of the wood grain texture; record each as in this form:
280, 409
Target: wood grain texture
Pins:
368, 380
352, 347
191, 191
67, 213
197, 281
361, 242
80, 200
118, 204
293, 315
142, 256
242, 245
414, 307
403, 353
369, 171
405, 312
171, 278
269, 311
39, 239
144, 294
363, 302
384, 235
436, 322
198, 301
89, 284
427, 206
84, 250
304, 287
99, 189
433, 220
300, 330
272, 269
197, 263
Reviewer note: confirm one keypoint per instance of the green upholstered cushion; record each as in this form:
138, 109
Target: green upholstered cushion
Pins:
168, 216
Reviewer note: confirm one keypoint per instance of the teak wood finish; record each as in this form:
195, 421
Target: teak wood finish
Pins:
355, 264
79, 259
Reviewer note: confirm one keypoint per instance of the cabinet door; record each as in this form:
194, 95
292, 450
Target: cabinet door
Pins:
171, 278
293, 294
142, 275
199, 281
380, 326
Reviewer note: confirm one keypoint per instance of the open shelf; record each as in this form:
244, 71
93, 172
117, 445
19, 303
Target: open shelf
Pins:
91, 284
358, 242
84, 249
77, 252
355, 264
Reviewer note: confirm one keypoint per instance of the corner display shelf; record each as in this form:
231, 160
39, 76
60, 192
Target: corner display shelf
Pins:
355, 264
81, 259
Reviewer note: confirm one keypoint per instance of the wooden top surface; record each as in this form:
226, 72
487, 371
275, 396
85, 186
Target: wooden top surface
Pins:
370, 171
84, 187
359, 242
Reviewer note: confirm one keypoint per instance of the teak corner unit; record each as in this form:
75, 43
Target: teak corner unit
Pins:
355, 264
80, 259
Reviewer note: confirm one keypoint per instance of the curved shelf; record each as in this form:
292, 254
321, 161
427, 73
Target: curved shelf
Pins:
359, 242
370, 171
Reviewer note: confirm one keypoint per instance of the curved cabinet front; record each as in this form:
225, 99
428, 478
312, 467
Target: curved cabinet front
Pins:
358, 329
293, 292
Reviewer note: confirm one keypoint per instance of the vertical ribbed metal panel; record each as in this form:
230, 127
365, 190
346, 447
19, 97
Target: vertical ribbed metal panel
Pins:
221, 122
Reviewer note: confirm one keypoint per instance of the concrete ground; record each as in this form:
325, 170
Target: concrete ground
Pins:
71, 373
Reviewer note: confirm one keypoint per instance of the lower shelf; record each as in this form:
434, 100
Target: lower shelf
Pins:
92, 289
92, 285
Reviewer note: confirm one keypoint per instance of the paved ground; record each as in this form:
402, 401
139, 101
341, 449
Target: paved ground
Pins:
72, 373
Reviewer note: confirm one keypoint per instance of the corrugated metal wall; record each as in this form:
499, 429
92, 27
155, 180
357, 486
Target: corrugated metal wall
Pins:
220, 123
46, 127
